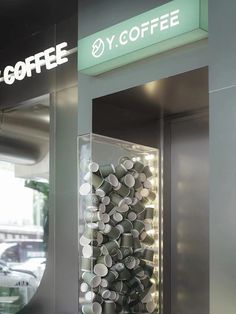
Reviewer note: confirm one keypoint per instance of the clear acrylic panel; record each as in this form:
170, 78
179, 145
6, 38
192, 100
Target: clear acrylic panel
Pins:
120, 225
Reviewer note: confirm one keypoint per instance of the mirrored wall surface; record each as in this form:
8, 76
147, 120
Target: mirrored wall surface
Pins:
24, 206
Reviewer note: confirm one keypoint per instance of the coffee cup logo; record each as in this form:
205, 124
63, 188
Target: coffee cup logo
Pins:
98, 48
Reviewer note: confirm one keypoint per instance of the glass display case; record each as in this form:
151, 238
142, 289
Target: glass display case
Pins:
120, 226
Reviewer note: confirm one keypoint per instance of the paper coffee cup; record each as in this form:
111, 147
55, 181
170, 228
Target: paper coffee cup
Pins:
148, 255
91, 279
132, 216
91, 251
117, 217
85, 189
138, 166
128, 180
126, 240
112, 179
97, 181
149, 213
114, 233
147, 172
104, 189
93, 167
125, 226
122, 190
100, 269
84, 287
87, 264
105, 170
106, 260
142, 177
106, 200
144, 192
138, 208
110, 247
152, 196
94, 308
120, 171
109, 307
138, 227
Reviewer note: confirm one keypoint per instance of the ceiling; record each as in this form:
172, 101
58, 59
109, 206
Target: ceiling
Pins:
23, 18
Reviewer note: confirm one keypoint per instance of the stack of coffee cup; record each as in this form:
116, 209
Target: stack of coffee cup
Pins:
117, 253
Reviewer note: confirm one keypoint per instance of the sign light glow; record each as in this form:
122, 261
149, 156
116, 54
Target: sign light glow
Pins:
50, 58
166, 27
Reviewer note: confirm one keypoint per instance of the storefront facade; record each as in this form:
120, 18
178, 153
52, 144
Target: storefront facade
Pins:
193, 127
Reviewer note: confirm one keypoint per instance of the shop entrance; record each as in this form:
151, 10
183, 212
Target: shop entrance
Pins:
171, 115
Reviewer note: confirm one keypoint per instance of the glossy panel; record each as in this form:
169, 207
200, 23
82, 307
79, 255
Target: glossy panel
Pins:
190, 216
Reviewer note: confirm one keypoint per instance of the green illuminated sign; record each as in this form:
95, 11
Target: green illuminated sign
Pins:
172, 25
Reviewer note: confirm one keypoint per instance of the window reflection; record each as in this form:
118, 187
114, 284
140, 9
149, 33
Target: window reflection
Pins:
23, 237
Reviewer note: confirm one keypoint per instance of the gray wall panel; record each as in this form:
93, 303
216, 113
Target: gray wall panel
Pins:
222, 202
222, 45
190, 216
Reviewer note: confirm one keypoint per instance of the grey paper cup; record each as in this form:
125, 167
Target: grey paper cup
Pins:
100, 269
106, 200
138, 166
94, 308
91, 279
137, 244
129, 262
141, 216
125, 226
120, 171
117, 199
114, 234
96, 180
106, 260
91, 200
89, 232
147, 172
127, 162
87, 264
138, 208
110, 247
93, 167
109, 307
105, 218
137, 184
126, 240
122, 190
117, 217
105, 293
91, 296
111, 276
105, 170
85, 189
132, 216
144, 192
149, 213
124, 274
91, 251
92, 217
142, 177
84, 287
148, 255
112, 179
152, 196
148, 240
128, 180
138, 227
104, 189
126, 251
84, 241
